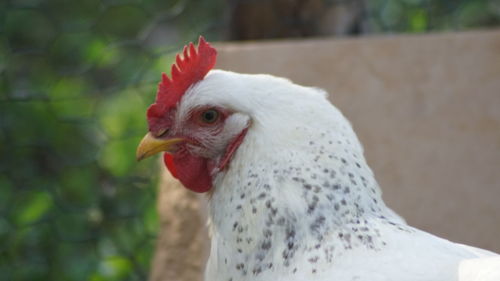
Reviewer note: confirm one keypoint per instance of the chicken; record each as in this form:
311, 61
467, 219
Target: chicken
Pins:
291, 196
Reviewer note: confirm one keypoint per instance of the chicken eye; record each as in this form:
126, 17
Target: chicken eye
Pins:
162, 132
210, 116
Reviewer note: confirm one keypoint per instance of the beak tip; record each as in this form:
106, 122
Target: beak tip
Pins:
150, 145
139, 156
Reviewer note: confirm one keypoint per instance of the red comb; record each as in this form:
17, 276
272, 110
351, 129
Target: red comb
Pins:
191, 68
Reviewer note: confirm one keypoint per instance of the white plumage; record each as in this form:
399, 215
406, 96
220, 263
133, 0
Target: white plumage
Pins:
299, 202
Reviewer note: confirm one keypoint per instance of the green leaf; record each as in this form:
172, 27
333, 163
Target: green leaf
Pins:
115, 267
118, 156
418, 21
69, 88
78, 186
33, 207
99, 53
151, 219
73, 109
123, 114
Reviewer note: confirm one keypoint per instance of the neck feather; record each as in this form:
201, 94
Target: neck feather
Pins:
273, 209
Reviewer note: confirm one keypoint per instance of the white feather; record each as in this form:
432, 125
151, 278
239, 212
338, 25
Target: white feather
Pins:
299, 202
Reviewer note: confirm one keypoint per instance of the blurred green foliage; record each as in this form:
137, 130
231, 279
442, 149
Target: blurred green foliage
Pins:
75, 80
431, 15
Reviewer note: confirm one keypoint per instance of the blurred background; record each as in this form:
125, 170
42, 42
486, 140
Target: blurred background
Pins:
75, 80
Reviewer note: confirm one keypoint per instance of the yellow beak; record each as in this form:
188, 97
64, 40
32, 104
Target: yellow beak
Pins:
150, 145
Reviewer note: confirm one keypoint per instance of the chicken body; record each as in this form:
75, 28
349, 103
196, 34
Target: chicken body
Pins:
291, 195
299, 202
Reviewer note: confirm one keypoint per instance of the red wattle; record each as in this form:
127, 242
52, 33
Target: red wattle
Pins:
191, 171
169, 162
195, 172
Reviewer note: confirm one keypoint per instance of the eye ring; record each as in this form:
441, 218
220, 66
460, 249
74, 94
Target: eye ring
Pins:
210, 116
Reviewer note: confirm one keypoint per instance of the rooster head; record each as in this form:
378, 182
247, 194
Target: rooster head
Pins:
198, 136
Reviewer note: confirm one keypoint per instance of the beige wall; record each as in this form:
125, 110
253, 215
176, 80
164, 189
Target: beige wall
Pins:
426, 108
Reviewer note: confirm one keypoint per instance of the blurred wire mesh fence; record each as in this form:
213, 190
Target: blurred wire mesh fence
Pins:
75, 80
